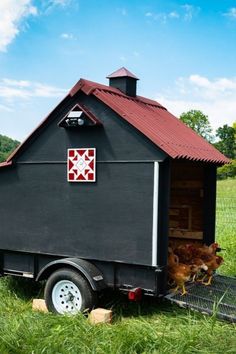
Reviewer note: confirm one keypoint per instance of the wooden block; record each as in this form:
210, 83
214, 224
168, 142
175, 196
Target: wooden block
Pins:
100, 315
39, 305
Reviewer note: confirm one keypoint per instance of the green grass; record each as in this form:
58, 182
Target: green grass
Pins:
151, 327
226, 224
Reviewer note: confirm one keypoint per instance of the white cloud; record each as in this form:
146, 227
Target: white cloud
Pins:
62, 3
173, 14
231, 13
159, 16
216, 98
12, 13
68, 36
43, 90
190, 11
122, 11
13, 89
212, 89
49, 5
18, 83
185, 13
5, 108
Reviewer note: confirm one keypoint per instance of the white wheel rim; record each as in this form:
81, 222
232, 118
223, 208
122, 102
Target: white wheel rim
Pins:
66, 297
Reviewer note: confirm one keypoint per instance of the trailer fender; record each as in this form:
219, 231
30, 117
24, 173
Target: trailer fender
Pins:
93, 275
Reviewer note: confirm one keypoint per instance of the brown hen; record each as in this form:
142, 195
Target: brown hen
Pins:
213, 262
178, 272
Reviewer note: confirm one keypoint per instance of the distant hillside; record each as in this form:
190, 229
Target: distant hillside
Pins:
7, 145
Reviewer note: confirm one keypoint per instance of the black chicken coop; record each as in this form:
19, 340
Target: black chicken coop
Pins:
91, 198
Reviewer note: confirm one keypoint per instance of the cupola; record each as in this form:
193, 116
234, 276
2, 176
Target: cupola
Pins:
124, 80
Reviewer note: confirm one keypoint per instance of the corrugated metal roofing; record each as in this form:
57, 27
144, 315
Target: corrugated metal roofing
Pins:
156, 123
150, 118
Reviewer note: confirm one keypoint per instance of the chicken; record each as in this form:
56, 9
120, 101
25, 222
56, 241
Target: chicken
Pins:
212, 262
184, 252
197, 266
189, 260
201, 251
178, 272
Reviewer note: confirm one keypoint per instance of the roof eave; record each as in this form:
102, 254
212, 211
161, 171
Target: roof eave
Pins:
5, 163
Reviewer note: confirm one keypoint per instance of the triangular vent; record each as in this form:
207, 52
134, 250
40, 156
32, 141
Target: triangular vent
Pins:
79, 116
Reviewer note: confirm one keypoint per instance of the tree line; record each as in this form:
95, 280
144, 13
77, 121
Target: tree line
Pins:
224, 139
7, 145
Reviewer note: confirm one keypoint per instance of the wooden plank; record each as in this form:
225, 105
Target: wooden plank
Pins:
195, 184
174, 223
174, 212
180, 206
196, 235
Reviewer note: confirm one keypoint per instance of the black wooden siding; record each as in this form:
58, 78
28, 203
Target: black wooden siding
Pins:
116, 140
108, 220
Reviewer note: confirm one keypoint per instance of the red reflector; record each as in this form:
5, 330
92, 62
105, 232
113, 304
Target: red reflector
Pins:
135, 294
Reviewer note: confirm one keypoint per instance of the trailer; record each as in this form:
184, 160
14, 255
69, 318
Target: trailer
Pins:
92, 197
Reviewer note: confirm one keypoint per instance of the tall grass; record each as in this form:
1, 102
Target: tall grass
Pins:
151, 327
226, 223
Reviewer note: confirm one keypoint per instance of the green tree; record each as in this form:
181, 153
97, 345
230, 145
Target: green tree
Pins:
199, 122
234, 126
7, 145
227, 142
228, 170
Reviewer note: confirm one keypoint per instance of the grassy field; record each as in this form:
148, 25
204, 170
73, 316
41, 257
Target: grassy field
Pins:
147, 328
226, 223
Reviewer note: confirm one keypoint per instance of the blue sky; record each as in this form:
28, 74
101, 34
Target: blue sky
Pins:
184, 53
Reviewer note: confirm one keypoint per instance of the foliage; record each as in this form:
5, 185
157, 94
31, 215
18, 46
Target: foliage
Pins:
150, 327
228, 170
227, 143
234, 126
7, 145
199, 122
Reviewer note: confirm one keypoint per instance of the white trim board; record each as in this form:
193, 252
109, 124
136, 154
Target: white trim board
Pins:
155, 213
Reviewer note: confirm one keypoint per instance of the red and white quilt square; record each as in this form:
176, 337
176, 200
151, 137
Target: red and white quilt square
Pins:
81, 165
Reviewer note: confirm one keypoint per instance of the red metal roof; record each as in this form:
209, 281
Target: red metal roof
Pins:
156, 123
122, 72
150, 118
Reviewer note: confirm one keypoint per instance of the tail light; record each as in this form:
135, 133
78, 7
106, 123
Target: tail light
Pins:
135, 294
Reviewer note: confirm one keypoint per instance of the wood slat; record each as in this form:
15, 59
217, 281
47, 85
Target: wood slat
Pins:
174, 212
196, 235
197, 184
174, 223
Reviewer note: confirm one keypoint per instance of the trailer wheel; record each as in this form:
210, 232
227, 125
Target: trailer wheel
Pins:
67, 292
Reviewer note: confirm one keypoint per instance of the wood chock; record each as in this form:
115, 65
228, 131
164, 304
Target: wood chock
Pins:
39, 305
100, 315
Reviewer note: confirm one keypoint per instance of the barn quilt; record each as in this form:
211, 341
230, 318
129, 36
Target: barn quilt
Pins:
81, 165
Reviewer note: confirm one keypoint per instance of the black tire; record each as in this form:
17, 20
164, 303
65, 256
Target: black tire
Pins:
66, 291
